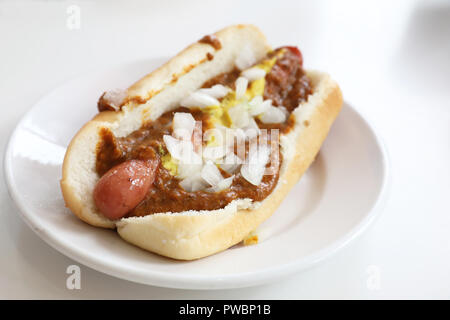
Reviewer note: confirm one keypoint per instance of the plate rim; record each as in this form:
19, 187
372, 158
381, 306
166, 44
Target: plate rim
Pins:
237, 280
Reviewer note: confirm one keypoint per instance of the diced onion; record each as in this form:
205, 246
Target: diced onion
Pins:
199, 99
263, 154
193, 183
179, 149
286, 113
254, 73
245, 59
222, 185
252, 130
258, 106
253, 169
241, 87
214, 153
231, 163
217, 91
189, 168
183, 125
186, 170
239, 116
256, 101
273, 115
239, 134
211, 174
173, 146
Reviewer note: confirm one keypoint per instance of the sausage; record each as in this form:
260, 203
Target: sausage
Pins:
297, 52
112, 100
124, 186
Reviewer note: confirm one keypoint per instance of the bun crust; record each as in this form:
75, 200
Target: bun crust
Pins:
195, 234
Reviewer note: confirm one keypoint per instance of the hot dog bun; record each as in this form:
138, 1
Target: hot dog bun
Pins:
195, 234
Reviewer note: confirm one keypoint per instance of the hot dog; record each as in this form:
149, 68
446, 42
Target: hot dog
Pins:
193, 157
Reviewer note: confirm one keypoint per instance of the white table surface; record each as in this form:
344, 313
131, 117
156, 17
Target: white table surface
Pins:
392, 60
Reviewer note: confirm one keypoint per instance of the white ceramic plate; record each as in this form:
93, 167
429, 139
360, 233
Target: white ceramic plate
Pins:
335, 200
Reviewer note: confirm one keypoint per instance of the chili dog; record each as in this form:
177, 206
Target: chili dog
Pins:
190, 159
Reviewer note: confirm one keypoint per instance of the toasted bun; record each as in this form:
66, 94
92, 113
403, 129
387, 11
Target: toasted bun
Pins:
195, 234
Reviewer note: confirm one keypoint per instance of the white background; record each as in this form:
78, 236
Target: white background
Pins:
392, 60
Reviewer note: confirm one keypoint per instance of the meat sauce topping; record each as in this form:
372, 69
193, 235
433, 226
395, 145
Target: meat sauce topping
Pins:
212, 41
286, 84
